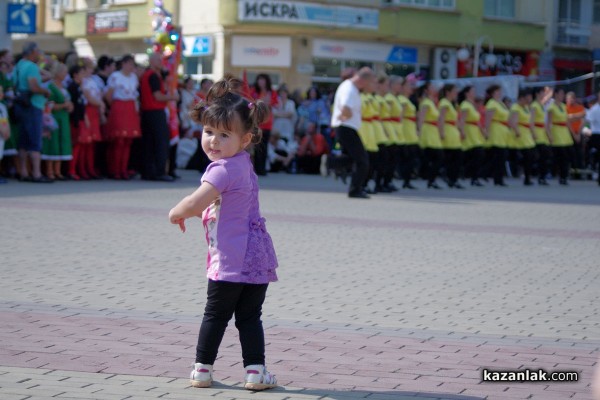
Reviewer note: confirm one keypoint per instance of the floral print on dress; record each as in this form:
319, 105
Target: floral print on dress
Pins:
209, 220
260, 260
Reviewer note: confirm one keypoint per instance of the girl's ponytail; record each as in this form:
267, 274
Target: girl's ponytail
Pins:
259, 112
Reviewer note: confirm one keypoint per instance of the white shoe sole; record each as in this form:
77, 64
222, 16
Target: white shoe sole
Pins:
200, 384
259, 386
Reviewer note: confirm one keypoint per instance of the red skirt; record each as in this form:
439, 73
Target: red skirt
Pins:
91, 133
123, 120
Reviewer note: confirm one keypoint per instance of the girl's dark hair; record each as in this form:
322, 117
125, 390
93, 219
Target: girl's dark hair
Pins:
74, 70
317, 92
462, 95
524, 92
559, 89
447, 88
537, 90
225, 106
267, 79
421, 90
490, 90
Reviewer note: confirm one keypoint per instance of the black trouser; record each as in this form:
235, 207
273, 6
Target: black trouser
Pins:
223, 300
498, 164
409, 161
373, 165
155, 143
433, 159
172, 159
594, 143
453, 162
353, 147
564, 155
474, 162
260, 153
544, 160
395, 152
528, 157
382, 161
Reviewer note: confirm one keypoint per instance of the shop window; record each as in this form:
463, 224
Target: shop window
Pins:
327, 67
198, 65
499, 8
399, 69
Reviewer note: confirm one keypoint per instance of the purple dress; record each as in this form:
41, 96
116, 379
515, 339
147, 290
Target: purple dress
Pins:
239, 247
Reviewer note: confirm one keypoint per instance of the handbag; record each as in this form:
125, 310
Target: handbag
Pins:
22, 98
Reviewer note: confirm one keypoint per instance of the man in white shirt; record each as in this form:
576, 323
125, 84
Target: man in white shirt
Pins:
593, 117
346, 120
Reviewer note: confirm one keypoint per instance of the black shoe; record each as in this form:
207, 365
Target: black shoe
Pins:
543, 182
392, 187
165, 178
41, 179
475, 182
500, 184
528, 183
369, 191
433, 185
563, 182
382, 189
458, 186
359, 195
408, 186
174, 176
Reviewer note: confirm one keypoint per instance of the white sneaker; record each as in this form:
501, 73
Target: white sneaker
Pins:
201, 375
258, 378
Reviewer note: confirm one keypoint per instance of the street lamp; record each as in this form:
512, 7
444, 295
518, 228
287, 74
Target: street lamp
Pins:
490, 59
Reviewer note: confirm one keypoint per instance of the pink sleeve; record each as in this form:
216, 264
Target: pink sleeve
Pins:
216, 174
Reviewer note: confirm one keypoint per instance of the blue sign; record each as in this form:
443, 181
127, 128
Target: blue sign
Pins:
402, 55
21, 18
197, 46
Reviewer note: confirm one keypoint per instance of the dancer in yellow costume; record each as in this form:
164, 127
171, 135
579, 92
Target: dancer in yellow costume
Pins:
451, 139
469, 124
542, 142
389, 151
427, 125
409, 130
521, 124
560, 137
496, 128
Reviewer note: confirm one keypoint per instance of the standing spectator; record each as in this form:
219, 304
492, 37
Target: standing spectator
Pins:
94, 112
155, 130
346, 120
57, 147
4, 127
205, 85
77, 118
263, 90
188, 100
284, 116
576, 115
593, 116
30, 102
123, 119
105, 67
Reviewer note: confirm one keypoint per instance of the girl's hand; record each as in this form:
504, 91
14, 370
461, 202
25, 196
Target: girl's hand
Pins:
175, 220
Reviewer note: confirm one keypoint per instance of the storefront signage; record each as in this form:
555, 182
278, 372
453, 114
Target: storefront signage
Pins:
21, 18
364, 51
107, 22
261, 51
197, 46
508, 62
299, 12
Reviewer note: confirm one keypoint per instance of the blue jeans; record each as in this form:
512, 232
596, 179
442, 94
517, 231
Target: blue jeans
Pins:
30, 122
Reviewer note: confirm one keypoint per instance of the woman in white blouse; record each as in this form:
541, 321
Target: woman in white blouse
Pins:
284, 116
123, 119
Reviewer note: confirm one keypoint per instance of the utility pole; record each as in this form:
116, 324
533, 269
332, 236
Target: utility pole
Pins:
5, 40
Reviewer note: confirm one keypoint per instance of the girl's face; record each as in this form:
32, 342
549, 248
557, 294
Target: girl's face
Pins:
471, 94
219, 143
453, 94
262, 83
497, 95
559, 96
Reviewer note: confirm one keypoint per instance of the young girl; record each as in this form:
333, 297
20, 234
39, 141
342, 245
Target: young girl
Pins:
241, 260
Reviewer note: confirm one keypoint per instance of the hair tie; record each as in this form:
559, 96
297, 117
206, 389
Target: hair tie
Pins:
251, 105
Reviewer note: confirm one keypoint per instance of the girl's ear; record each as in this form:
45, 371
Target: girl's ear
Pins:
246, 139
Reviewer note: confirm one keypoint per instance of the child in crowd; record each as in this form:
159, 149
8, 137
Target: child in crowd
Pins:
241, 259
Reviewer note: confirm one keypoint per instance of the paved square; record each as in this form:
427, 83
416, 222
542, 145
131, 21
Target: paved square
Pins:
404, 296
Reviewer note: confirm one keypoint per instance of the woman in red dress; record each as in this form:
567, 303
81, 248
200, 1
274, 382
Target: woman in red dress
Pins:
262, 90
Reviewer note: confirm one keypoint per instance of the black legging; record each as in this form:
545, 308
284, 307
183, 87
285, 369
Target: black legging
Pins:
409, 161
452, 161
528, 157
564, 155
474, 161
383, 160
223, 300
395, 152
544, 160
498, 164
432, 159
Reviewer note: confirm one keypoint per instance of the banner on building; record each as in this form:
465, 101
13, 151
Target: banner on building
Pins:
261, 51
107, 22
364, 51
299, 12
